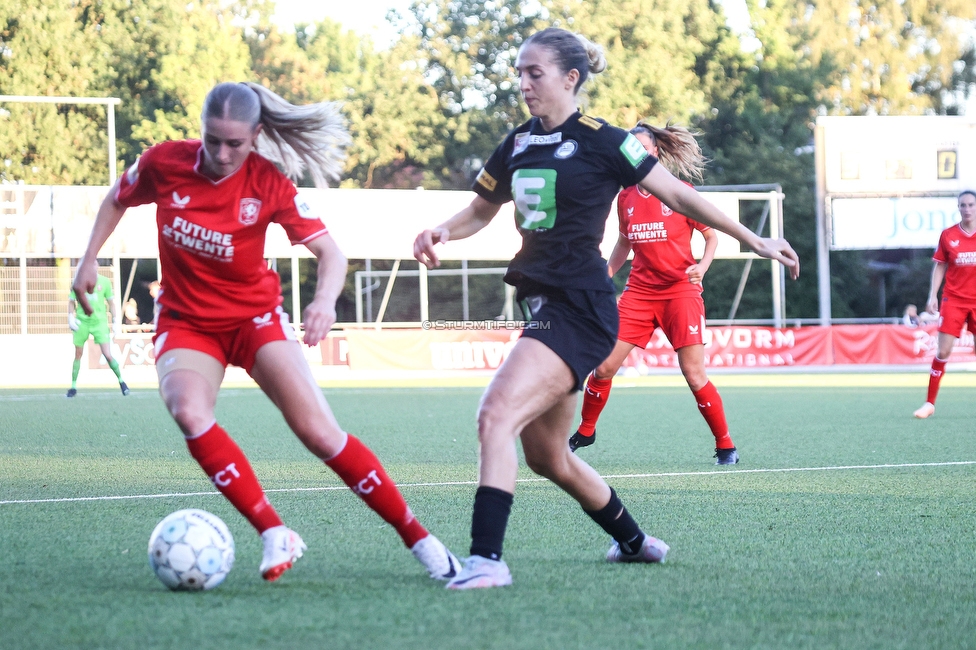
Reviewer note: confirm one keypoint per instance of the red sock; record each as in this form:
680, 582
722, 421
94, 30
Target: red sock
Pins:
595, 395
362, 471
226, 465
710, 405
935, 377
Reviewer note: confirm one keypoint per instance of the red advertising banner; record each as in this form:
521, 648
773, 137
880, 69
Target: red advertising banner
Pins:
725, 347
894, 344
743, 347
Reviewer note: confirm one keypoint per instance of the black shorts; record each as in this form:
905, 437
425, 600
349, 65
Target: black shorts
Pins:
579, 325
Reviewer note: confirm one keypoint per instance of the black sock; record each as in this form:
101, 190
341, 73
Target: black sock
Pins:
615, 519
489, 520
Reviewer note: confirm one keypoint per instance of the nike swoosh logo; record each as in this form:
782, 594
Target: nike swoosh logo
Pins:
453, 571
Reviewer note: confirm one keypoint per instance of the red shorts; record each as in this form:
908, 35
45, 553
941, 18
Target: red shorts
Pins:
953, 315
236, 346
681, 319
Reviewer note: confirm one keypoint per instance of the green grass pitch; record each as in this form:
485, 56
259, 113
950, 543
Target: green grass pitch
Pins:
869, 543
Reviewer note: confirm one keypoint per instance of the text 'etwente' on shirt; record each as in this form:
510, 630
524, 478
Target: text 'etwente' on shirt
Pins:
212, 233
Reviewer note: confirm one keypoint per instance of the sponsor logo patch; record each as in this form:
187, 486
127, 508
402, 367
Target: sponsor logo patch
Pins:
486, 180
586, 120
304, 210
132, 175
633, 150
525, 140
250, 210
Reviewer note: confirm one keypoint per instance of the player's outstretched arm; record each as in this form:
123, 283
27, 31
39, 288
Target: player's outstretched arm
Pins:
938, 275
465, 223
684, 199
320, 314
107, 219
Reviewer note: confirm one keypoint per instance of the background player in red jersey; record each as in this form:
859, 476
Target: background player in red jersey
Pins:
219, 302
955, 262
663, 290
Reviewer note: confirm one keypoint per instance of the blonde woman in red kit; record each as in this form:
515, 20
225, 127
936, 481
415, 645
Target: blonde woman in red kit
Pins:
664, 289
220, 304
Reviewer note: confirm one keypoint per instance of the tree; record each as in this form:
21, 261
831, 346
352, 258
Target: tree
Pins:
392, 111
893, 58
165, 56
44, 50
467, 49
664, 57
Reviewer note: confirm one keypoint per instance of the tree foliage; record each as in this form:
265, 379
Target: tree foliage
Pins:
426, 109
46, 50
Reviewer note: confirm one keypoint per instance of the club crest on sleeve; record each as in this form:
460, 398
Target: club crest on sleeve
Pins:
250, 210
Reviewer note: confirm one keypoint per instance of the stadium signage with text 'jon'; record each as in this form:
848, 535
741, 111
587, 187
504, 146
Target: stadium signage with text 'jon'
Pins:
891, 222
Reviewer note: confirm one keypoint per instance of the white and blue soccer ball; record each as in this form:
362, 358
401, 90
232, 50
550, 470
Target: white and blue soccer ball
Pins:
191, 550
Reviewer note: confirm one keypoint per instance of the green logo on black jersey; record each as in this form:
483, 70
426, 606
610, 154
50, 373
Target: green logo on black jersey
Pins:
633, 150
534, 191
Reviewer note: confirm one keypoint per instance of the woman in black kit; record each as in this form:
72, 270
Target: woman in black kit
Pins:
563, 170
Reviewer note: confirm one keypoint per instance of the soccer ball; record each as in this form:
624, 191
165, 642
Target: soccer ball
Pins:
191, 550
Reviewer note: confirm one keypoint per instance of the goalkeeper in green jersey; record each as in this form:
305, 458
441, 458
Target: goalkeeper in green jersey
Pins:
95, 326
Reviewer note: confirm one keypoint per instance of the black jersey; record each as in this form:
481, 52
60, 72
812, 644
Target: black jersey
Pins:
563, 183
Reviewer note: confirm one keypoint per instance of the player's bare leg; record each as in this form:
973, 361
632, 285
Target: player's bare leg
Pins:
691, 360
189, 381
283, 374
530, 396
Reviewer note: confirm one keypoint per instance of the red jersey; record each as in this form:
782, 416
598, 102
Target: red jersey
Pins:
661, 240
957, 251
211, 233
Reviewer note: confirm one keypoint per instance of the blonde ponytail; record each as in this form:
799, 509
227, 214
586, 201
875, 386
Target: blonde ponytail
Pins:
309, 138
678, 149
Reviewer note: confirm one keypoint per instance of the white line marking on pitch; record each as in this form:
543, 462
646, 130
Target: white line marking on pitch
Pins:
521, 480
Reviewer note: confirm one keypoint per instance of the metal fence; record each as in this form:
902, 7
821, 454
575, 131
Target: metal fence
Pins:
34, 295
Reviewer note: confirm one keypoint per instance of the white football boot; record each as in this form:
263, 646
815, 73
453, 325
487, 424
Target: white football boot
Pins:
652, 550
925, 410
282, 546
436, 558
480, 573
